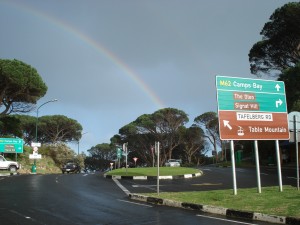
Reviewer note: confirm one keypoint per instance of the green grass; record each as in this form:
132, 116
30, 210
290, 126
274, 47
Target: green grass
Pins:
270, 201
152, 171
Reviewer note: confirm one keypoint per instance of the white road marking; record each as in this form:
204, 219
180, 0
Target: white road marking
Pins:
22, 215
233, 221
85, 174
121, 186
135, 203
145, 186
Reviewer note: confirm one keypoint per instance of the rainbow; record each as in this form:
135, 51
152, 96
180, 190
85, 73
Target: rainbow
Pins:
131, 74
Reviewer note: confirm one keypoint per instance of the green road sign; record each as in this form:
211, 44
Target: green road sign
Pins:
250, 94
249, 85
251, 109
251, 101
119, 153
11, 145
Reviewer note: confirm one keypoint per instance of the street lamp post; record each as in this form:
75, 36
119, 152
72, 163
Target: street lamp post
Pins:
78, 141
37, 118
33, 169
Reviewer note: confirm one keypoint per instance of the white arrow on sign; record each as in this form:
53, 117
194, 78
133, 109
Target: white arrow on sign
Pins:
278, 103
226, 124
277, 87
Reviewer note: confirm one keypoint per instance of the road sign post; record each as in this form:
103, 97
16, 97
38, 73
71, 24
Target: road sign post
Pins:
233, 167
157, 153
119, 155
125, 146
257, 166
135, 159
293, 124
252, 109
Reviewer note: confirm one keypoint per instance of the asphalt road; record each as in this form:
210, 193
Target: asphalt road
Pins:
88, 199
215, 178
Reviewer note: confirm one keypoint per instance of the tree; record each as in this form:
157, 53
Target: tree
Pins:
163, 126
61, 154
139, 141
103, 151
279, 48
20, 87
10, 126
58, 128
168, 122
209, 122
291, 79
193, 141
27, 127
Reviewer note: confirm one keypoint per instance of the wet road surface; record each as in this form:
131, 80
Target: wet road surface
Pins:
86, 199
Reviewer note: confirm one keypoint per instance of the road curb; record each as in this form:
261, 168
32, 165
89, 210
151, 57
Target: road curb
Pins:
231, 213
8, 174
186, 176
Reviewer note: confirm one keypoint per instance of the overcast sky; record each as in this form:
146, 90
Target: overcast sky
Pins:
108, 62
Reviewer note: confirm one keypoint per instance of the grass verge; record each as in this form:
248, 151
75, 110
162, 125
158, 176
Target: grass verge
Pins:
270, 201
4, 172
152, 171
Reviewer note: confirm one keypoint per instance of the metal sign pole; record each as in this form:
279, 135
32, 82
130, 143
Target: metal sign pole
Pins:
297, 153
278, 165
126, 156
126, 152
157, 150
233, 167
257, 166
153, 158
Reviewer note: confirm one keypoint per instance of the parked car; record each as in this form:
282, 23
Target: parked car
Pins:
71, 167
12, 166
172, 163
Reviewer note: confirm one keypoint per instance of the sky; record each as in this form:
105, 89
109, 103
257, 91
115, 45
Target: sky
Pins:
109, 62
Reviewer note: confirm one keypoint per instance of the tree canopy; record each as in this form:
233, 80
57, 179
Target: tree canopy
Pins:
20, 87
163, 125
51, 129
279, 48
58, 128
291, 79
167, 126
10, 126
193, 141
209, 122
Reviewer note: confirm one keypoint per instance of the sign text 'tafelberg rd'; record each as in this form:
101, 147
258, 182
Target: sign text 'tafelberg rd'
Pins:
251, 109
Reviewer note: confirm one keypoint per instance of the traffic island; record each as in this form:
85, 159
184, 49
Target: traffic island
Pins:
151, 173
153, 177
